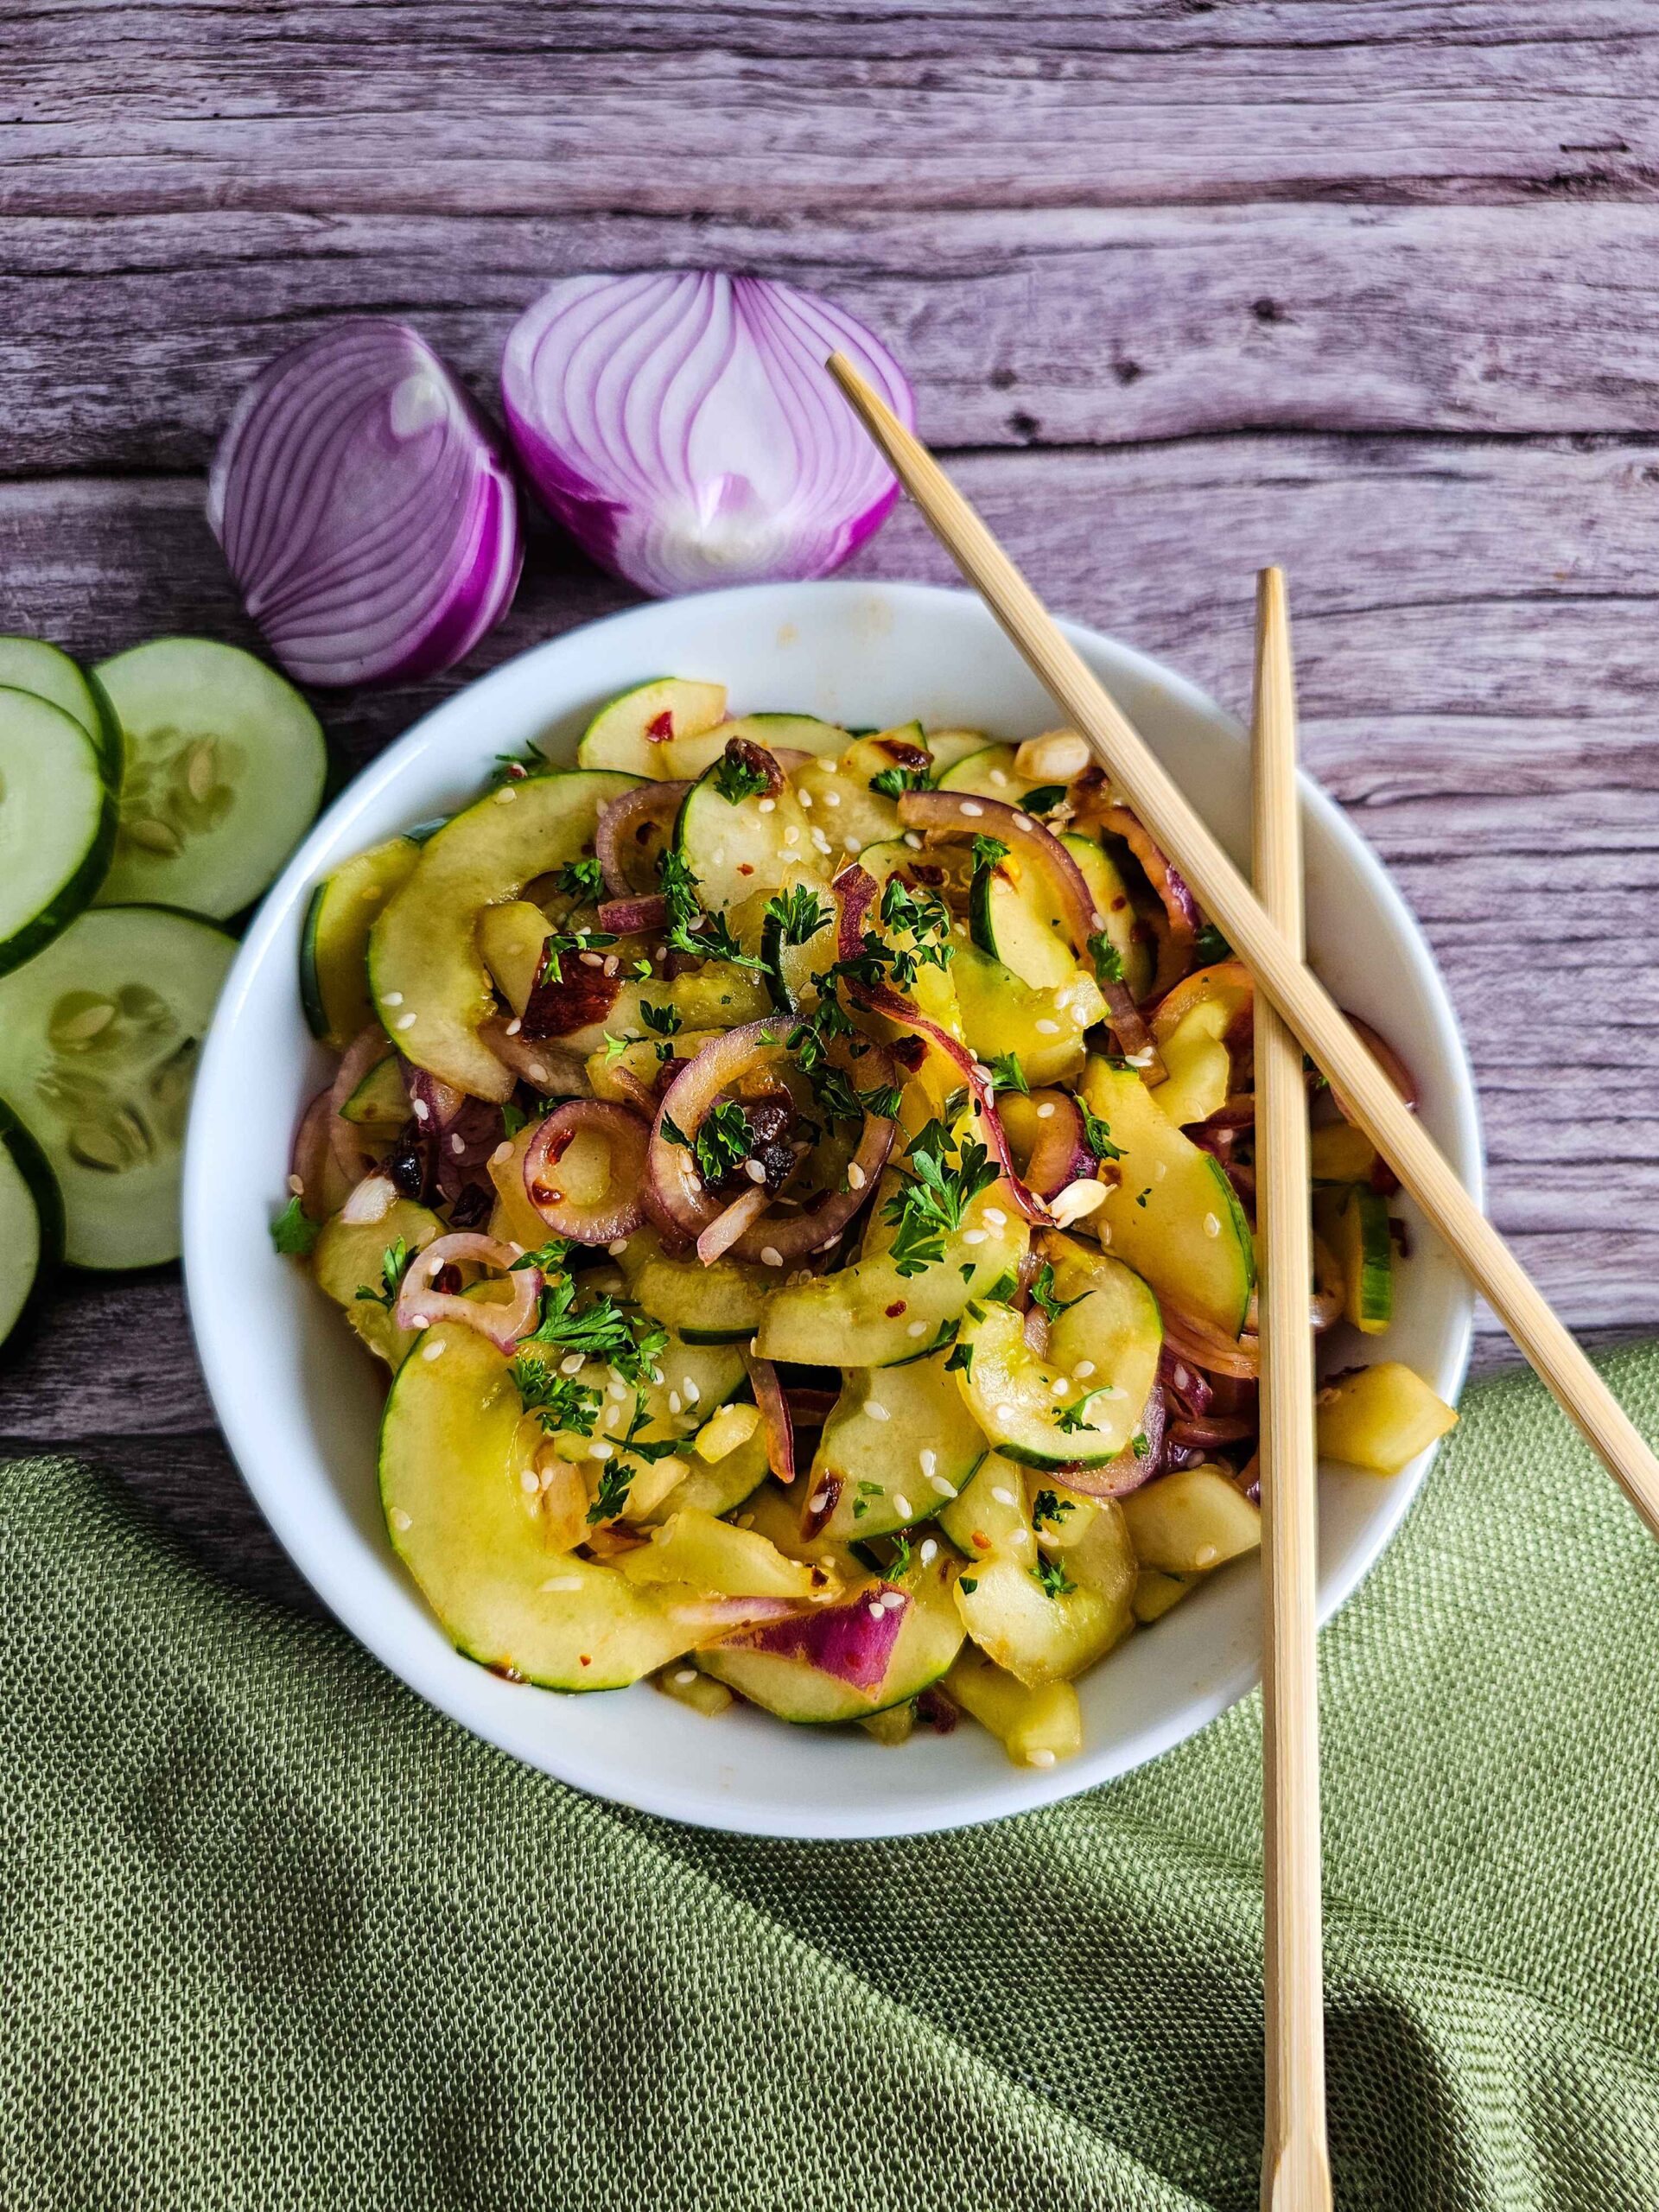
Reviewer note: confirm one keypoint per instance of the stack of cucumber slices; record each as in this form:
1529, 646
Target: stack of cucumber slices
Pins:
142, 803
797, 1181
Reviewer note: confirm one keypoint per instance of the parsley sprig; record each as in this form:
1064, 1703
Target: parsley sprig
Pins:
394, 1260
600, 1330
1097, 1135
1052, 1579
799, 914
937, 1193
1048, 1510
737, 778
702, 936
1007, 1074
893, 783
561, 942
722, 1143
559, 1401
293, 1232
1042, 1294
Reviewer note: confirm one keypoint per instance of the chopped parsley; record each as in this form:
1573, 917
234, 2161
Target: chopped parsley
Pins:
1042, 1294
1097, 1135
562, 941
1108, 961
1210, 946
293, 1232
865, 1492
703, 937
1140, 1446
736, 777
987, 852
614, 1048
936, 1195
1043, 798
664, 1020
799, 914
1052, 1579
901, 1561
548, 1257
967, 1584
962, 1358
559, 1401
513, 767
1069, 1419
1007, 1074
394, 1260
513, 1118
1046, 1509
601, 1330
893, 783
581, 879
616, 1476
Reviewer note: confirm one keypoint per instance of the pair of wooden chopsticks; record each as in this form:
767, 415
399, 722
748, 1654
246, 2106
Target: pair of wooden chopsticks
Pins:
1292, 1009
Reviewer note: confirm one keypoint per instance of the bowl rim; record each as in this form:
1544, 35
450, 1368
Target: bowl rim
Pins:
309, 1553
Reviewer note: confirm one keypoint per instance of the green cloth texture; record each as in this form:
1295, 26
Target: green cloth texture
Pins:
278, 1936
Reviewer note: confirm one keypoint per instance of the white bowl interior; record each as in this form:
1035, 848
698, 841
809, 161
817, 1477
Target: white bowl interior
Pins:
299, 1401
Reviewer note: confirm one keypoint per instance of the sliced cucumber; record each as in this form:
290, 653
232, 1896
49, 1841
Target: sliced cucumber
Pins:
715, 1305
717, 1486
1364, 1247
792, 963
796, 1690
381, 1100
1132, 943
453, 1445
1183, 1228
1038, 1411
99, 1036
869, 1315
897, 1443
430, 988
1043, 1029
689, 756
334, 941
842, 797
1192, 1520
57, 823
946, 747
1044, 1614
30, 665
990, 773
31, 1218
349, 1257
631, 731
736, 849
1010, 923
225, 767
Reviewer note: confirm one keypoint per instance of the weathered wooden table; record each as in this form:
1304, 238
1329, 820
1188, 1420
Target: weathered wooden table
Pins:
1185, 287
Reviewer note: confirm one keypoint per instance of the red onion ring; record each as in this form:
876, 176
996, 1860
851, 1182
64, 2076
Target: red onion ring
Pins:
1211, 1434
1061, 1152
619, 818
419, 1304
366, 1050
711, 1619
1201, 1346
602, 1221
964, 814
1187, 1385
1180, 909
323, 1188
433, 1103
775, 1417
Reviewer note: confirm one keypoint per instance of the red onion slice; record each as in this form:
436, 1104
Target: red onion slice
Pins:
622, 1208
775, 1415
536, 1060
1393, 1066
632, 917
1130, 1469
1180, 908
366, 1050
615, 834
1200, 1344
323, 1187
684, 430
1061, 1154
729, 1225
964, 814
503, 1322
364, 510
853, 1642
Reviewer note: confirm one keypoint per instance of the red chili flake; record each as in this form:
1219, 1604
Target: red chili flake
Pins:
744, 869
448, 1281
980, 1542
545, 1195
909, 1051
895, 1309
658, 732
584, 1659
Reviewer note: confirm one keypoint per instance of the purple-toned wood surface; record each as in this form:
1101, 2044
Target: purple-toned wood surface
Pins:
1371, 291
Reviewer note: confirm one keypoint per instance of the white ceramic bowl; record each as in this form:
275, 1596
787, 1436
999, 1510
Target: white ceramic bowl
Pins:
299, 1401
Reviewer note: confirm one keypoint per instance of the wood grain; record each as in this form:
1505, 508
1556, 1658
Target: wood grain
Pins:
1186, 290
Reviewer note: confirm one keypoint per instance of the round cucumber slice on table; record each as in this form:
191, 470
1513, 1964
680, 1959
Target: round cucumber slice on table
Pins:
57, 823
31, 664
31, 1218
100, 1035
225, 767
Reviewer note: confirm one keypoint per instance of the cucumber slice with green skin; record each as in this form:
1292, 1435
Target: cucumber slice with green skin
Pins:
1183, 1229
350, 1256
1043, 1029
863, 1315
630, 731
932, 991
795, 1690
715, 1305
1008, 923
31, 1218
430, 989
335, 941
225, 767
100, 1035
894, 1437
453, 1445
991, 773
790, 963
842, 797
1364, 1251
719, 1487
689, 756
1132, 943
734, 850
57, 825
1026, 1406
30, 665
1042, 1613
946, 747
381, 1100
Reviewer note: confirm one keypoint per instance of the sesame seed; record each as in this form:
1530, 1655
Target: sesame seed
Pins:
976, 1236
561, 1582
901, 1504
805, 798
422, 1109
820, 842
1060, 1385
876, 1410
1205, 1555
1082, 1370
692, 1393
1212, 1226
754, 1171
856, 1176
406, 1021
571, 1364
674, 1406
770, 1256
1048, 1028
612, 963
916, 1328
616, 1388
514, 1026
972, 809
505, 796
876, 1609
433, 1350
912, 840
1096, 920
930, 1551
599, 1450
1024, 822
768, 806
296, 1184
929, 1458
422, 1320
817, 1503
1000, 778
529, 1480
1004, 1414
1045, 1109
1160, 1169
1002, 1496
597, 959
832, 798
854, 845
391, 998
537, 1072
940, 1484
995, 1216
458, 1145
1042, 1759
792, 835
892, 1600
685, 1675
617, 1247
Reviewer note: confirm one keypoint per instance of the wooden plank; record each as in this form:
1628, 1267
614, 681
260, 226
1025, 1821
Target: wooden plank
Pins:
131, 333
491, 110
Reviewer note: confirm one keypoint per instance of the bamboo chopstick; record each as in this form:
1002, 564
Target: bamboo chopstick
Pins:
1280, 972
1295, 2167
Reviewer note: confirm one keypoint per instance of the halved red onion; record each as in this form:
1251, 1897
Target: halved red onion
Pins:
853, 1642
1130, 1468
684, 430
364, 510
502, 1321
615, 835
324, 1185
775, 1415
675, 1196
622, 1211
631, 916
366, 1050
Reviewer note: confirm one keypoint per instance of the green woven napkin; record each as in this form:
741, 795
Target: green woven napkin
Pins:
278, 1936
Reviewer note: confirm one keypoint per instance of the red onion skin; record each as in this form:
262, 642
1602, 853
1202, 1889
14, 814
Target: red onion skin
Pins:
626, 1136
851, 1642
1180, 908
619, 817
776, 1415
346, 588
631, 916
366, 1050
730, 1222
683, 428
324, 1187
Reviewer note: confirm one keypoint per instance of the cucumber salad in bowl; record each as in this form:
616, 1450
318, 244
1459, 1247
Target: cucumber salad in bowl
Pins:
799, 1183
